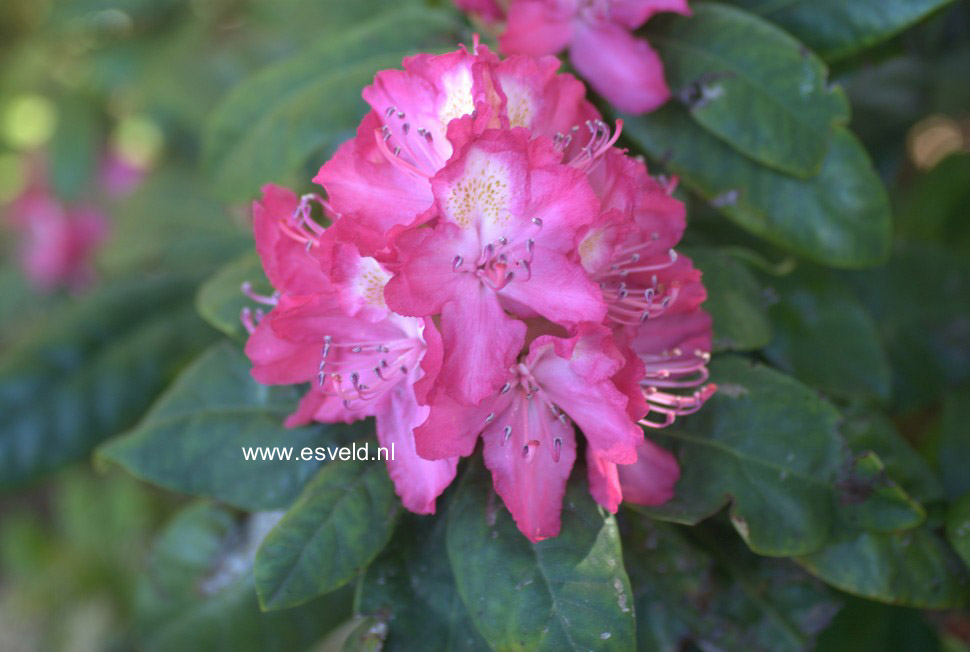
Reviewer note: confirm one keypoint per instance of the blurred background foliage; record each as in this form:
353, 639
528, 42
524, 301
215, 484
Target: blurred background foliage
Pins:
204, 100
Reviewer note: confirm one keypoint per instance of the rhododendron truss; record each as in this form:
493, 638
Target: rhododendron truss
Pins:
619, 66
492, 267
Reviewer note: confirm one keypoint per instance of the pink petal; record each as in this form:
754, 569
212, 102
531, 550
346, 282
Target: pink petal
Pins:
558, 289
417, 481
370, 192
277, 361
426, 278
620, 67
604, 481
575, 374
536, 27
528, 472
288, 265
538, 98
452, 429
480, 344
651, 479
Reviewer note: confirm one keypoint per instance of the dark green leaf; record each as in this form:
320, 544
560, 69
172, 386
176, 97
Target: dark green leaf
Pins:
566, 593
836, 28
934, 207
270, 124
912, 568
752, 85
197, 593
955, 443
91, 371
734, 299
770, 446
411, 585
220, 300
825, 338
871, 500
868, 430
688, 594
839, 218
194, 438
340, 522
919, 304
958, 527
865, 626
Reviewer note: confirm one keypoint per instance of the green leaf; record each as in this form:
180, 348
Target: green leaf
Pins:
873, 501
869, 430
752, 85
734, 300
825, 337
569, 592
835, 28
839, 218
340, 522
412, 585
954, 454
865, 626
91, 370
197, 592
169, 223
912, 568
270, 124
220, 300
770, 446
958, 527
918, 302
691, 593
194, 438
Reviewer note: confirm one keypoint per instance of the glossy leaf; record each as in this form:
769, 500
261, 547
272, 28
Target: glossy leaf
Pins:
566, 593
340, 522
825, 337
194, 438
271, 124
840, 218
734, 300
197, 592
220, 299
958, 527
912, 568
752, 85
412, 586
770, 446
91, 370
835, 28
690, 595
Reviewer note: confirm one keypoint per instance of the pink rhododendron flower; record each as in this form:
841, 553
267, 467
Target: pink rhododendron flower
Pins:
494, 268
620, 67
56, 241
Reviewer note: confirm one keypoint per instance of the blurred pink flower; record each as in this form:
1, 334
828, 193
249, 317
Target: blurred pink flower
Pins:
495, 268
119, 177
56, 242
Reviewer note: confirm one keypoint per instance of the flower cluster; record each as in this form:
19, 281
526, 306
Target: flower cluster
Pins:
620, 67
494, 268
